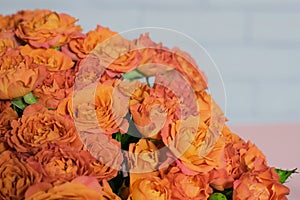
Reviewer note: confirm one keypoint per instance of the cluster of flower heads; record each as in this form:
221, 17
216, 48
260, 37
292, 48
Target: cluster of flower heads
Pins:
177, 146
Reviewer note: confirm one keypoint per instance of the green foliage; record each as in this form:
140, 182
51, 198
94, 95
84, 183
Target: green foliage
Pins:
285, 174
217, 196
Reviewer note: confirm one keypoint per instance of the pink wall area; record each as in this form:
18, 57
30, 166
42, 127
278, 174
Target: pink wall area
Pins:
281, 145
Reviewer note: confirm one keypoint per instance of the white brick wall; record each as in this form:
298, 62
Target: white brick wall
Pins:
255, 43
276, 27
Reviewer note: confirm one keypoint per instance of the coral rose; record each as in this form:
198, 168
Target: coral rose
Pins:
84, 188
188, 187
151, 188
39, 126
15, 176
262, 186
18, 74
48, 29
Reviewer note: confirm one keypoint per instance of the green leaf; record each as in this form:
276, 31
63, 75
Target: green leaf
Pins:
19, 103
217, 196
285, 174
30, 98
58, 48
132, 75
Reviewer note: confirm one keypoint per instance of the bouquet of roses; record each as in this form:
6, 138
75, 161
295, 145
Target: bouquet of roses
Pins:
78, 122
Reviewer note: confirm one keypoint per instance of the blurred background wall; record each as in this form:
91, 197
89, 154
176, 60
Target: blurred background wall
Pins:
255, 44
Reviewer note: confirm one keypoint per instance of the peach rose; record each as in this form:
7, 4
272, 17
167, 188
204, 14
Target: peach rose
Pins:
54, 60
48, 29
151, 188
39, 126
143, 160
79, 48
15, 176
84, 188
60, 164
265, 185
18, 74
198, 149
188, 187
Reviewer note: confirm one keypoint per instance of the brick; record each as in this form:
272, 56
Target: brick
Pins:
276, 27
254, 3
279, 101
240, 101
203, 26
257, 63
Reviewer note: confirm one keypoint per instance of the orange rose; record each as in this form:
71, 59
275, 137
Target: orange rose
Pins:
80, 47
7, 41
107, 108
84, 188
198, 149
23, 15
259, 186
188, 187
220, 179
55, 88
18, 74
253, 158
39, 126
105, 150
65, 106
223, 178
54, 60
15, 176
151, 188
60, 164
173, 59
48, 29
143, 160
147, 112
116, 55
4, 22
271, 179
7, 114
